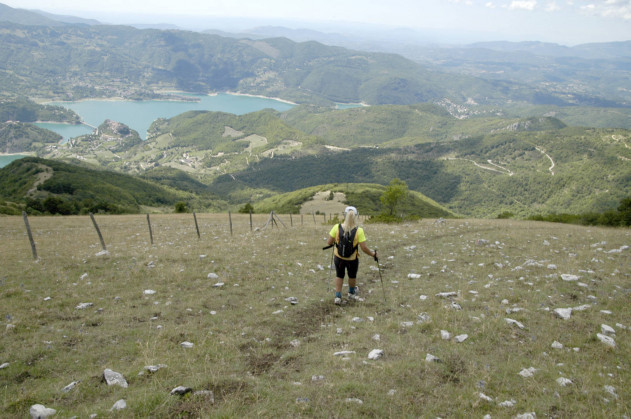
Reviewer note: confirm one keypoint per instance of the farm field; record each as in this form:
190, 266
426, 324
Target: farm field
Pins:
475, 317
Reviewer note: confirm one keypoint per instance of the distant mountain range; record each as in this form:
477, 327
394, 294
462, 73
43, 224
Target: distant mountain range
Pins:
480, 130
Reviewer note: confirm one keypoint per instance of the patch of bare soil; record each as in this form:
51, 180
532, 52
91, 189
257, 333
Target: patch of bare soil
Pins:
321, 202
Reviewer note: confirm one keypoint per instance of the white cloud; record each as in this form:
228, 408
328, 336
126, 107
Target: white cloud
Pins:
609, 8
552, 7
489, 5
523, 5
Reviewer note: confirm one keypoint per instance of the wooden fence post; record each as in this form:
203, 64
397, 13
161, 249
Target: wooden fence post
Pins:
291, 220
313, 214
230, 220
150, 231
98, 231
30, 236
196, 225
250, 220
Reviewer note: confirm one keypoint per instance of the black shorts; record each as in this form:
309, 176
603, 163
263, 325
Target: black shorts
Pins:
342, 265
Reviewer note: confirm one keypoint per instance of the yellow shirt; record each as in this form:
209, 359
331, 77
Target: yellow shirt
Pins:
360, 237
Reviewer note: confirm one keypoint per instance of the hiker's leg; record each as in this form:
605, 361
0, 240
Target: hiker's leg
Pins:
338, 284
353, 267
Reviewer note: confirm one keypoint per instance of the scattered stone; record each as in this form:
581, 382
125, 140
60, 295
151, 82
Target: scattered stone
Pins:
83, 306
527, 372
606, 311
357, 320
611, 390
114, 378
70, 386
39, 411
563, 313
4, 365
447, 294
343, 353
292, 300
277, 312
454, 305
423, 297
392, 392
461, 338
302, 400
431, 358
376, 354
562, 381
212, 275
485, 397
569, 277
102, 253
607, 330
507, 403
557, 345
186, 344
149, 292
119, 405
414, 276
315, 378
210, 396
155, 368
527, 415
376, 337
218, 285
445, 335
582, 308
295, 343
515, 323
180, 391
406, 324
607, 340
354, 400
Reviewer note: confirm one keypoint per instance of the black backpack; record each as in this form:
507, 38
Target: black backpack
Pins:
345, 241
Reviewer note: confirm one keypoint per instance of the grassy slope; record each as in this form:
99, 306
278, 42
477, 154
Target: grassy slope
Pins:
259, 354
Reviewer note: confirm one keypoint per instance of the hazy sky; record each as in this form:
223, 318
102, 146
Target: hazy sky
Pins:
568, 22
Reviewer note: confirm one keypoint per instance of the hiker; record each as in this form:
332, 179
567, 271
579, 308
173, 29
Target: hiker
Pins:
347, 236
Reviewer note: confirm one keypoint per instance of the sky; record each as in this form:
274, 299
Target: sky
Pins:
567, 22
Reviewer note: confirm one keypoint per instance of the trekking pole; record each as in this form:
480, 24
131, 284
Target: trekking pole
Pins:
330, 266
381, 278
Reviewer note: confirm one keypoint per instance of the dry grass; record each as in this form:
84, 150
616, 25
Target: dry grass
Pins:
258, 353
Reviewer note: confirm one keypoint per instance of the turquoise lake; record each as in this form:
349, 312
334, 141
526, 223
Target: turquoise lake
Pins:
139, 115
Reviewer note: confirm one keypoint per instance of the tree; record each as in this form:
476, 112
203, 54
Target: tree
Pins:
395, 192
181, 207
246, 209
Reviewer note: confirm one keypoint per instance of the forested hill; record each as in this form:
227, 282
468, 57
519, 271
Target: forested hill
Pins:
79, 61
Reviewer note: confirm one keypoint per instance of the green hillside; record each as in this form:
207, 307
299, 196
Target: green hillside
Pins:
49, 186
16, 137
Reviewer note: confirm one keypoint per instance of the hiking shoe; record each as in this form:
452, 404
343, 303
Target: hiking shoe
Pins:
338, 301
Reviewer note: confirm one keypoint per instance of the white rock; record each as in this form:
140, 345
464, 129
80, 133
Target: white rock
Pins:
357, 320
447, 294
414, 276
515, 323
187, 344
149, 292
507, 403
431, 358
83, 306
119, 405
343, 353
102, 253
277, 312
376, 354
527, 415
218, 285
607, 330
461, 338
155, 368
607, 340
485, 397
423, 318
527, 372
376, 337
354, 400
70, 386
39, 411
4, 365
212, 275
562, 381
180, 391
582, 308
292, 300
445, 335
295, 343
114, 378
611, 390
407, 324
423, 297
569, 277
563, 313
557, 345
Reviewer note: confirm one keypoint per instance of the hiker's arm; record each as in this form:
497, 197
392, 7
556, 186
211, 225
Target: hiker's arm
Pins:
330, 240
366, 250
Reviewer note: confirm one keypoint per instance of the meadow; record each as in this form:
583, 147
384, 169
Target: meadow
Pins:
468, 319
